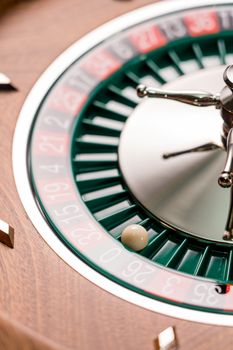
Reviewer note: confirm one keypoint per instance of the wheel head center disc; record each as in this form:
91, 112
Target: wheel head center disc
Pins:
182, 191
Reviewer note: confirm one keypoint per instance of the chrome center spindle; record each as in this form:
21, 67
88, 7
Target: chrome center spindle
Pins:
226, 101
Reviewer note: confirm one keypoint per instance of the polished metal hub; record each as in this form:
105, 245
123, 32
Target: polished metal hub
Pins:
182, 191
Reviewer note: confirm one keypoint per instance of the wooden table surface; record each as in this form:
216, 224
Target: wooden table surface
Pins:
44, 304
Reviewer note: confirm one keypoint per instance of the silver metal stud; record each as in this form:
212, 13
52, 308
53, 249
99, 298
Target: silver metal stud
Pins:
6, 234
5, 83
166, 340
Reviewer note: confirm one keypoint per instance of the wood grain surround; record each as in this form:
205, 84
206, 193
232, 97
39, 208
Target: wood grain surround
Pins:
44, 304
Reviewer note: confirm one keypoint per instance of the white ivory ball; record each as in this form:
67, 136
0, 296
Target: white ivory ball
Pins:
135, 237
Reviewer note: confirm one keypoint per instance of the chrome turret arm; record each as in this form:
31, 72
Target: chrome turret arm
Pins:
194, 98
202, 148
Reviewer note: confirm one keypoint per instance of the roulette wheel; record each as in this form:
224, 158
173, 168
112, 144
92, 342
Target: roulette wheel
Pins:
122, 232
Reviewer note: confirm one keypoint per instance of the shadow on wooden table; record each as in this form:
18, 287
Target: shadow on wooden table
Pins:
7, 5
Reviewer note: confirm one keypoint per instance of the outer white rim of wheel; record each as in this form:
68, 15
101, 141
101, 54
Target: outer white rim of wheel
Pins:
20, 144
